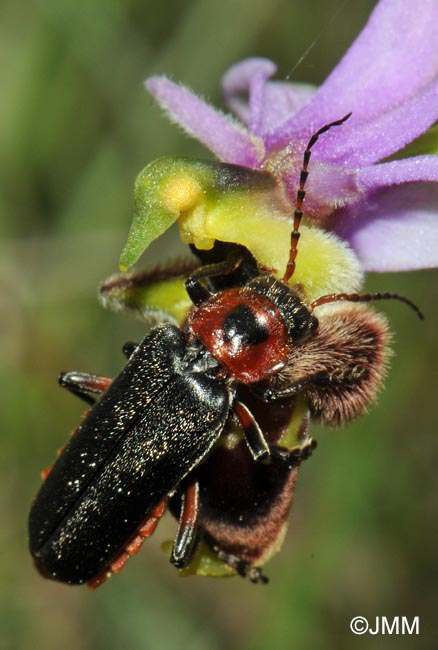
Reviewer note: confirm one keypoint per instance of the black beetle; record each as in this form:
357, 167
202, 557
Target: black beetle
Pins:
157, 422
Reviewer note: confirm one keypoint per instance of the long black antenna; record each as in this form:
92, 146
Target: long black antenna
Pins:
366, 297
301, 193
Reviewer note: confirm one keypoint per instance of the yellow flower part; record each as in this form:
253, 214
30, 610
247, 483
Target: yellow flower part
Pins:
181, 193
215, 201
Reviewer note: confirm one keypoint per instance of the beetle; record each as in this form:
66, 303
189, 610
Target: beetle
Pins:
154, 426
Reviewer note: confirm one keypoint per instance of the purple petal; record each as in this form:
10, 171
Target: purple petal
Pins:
282, 100
243, 84
395, 229
327, 189
394, 59
419, 168
366, 143
222, 135
260, 104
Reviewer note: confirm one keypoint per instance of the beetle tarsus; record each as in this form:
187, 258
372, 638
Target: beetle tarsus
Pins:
82, 383
244, 569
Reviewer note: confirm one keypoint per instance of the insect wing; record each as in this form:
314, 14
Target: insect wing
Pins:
109, 479
156, 360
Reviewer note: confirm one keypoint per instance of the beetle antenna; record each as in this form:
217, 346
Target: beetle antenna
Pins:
366, 297
301, 193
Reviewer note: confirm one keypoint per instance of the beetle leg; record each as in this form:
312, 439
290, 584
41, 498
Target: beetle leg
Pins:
242, 567
253, 434
198, 293
320, 378
188, 529
269, 394
258, 446
129, 348
81, 383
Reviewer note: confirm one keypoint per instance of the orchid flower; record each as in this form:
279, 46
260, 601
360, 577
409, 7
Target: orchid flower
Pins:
364, 209
386, 211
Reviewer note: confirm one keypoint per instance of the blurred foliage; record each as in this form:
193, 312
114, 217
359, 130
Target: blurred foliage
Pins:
76, 126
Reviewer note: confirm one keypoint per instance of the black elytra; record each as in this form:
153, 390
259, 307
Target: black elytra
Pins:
156, 421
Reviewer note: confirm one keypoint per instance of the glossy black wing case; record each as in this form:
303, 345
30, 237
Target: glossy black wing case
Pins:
154, 424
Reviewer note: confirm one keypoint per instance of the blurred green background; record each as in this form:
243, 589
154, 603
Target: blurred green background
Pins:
75, 128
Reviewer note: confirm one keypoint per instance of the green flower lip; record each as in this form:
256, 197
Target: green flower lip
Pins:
212, 200
170, 187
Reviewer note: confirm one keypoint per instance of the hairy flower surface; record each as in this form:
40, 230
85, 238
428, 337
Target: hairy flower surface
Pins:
388, 80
